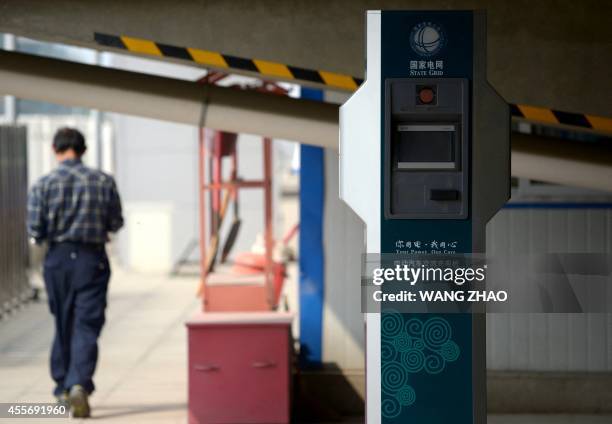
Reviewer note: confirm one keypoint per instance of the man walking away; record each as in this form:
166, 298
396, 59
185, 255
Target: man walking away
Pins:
73, 209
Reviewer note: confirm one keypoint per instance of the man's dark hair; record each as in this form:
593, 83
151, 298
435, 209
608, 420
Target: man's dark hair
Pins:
69, 138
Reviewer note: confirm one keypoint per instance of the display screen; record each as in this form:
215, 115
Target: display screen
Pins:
422, 146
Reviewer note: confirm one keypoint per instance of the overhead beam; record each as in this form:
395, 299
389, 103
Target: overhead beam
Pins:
562, 162
541, 53
229, 109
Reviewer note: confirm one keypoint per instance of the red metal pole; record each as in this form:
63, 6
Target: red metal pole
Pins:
235, 168
202, 193
232, 186
269, 236
217, 174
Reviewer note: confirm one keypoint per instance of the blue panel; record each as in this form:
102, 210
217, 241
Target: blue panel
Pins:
311, 94
424, 388
311, 248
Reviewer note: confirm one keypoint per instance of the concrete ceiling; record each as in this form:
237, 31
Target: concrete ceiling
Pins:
544, 53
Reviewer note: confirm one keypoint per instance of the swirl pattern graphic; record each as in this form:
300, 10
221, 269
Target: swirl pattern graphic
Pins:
413, 360
436, 332
394, 376
406, 396
449, 351
418, 344
414, 327
391, 408
392, 323
387, 350
434, 363
402, 342
410, 345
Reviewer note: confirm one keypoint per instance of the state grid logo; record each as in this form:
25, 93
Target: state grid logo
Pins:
427, 38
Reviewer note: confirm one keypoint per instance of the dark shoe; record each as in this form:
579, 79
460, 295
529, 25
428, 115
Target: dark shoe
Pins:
79, 404
62, 399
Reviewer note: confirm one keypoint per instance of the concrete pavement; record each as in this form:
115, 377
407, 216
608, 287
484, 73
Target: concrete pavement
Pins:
142, 375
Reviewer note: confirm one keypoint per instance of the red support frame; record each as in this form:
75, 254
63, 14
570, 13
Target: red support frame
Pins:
269, 230
213, 154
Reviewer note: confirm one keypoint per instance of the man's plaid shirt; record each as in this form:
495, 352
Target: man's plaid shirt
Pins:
74, 203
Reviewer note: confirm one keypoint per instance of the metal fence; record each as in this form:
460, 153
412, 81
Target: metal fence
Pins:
14, 284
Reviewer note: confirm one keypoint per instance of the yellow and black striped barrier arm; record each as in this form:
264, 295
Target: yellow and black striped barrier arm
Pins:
217, 60
556, 117
329, 79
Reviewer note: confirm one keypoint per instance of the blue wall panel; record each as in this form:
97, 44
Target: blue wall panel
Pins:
312, 180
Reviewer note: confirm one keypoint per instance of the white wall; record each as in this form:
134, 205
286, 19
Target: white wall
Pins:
538, 342
156, 171
550, 342
343, 324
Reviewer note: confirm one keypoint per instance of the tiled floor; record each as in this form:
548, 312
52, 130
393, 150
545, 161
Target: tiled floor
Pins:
142, 371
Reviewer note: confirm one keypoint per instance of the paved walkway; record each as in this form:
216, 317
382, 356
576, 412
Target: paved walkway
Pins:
142, 375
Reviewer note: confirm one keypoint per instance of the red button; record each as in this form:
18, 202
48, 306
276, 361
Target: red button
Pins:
426, 95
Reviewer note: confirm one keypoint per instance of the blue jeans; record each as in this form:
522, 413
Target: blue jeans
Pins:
76, 278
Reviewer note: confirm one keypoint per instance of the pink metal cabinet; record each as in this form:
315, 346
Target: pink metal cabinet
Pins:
239, 368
